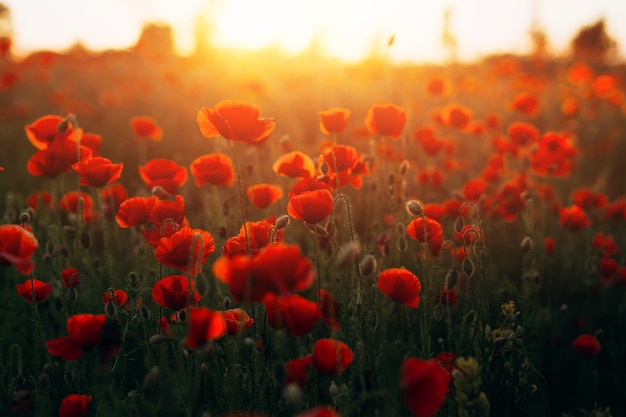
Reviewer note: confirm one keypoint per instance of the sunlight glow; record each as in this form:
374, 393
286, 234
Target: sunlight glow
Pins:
347, 29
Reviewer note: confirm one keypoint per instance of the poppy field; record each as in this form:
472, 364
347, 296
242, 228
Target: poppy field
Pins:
232, 234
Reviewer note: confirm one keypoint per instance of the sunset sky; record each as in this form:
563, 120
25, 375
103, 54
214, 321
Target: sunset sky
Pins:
347, 29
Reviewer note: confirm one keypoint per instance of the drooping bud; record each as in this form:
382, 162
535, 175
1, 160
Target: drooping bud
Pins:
468, 267
348, 253
368, 264
282, 221
415, 208
527, 244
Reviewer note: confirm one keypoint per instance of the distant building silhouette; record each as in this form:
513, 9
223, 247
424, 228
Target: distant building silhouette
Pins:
592, 44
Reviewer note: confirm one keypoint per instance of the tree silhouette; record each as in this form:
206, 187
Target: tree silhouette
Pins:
592, 43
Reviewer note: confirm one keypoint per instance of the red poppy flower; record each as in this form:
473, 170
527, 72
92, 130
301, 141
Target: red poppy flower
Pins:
456, 116
523, 134
433, 211
292, 312
320, 411
296, 370
579, 74
330, 309
56, 159
112, 197
447, 297
17, 246
386, 120
97, 172
294, 164
34, 290
424, 385
434, 233
164, 173
264, 195
119, 297
616, 210
40, 197
84, 331
605, 244
69, 204
525, 103
331, 356
234, 120
75, 405
430, 145
204, 326
401, 285
237, 320
258, 236
70, 276
573, 218
215, 169
589, 199
146, 127
446, 360
344, 166
135, 211
509, 201
166, 211
437, 86
92, 141
176, 250
280, 269
334, 120
309, 204
474, 189
43, 131
587, 345
603, 86
175, 292
554, 155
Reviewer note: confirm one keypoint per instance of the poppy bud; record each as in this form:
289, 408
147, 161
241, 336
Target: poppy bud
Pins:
282, 221
415, 208
331, 228
228, 302
63, 125
400, 229
157, 339
324, 168
441, 341
204, 367
452, 278
69, 230
293, 394
110, 310
459, 224
402, 244
391, 179
333, 389
151, 378
248, 341
349, 252
368, 264
438, 311
72, 294
49, 247
404, 167
468, 267
527, 244
145, 313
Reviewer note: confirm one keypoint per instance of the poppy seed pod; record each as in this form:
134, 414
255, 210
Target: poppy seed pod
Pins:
415, 208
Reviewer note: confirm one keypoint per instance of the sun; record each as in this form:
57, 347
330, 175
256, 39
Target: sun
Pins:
346, 29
